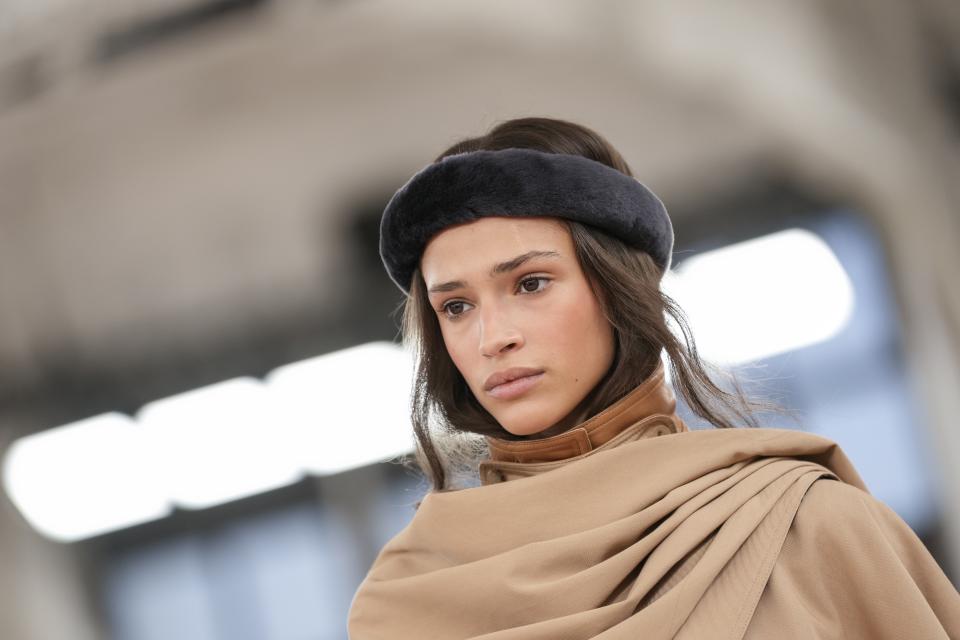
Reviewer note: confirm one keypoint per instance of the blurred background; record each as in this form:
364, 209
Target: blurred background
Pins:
201, 390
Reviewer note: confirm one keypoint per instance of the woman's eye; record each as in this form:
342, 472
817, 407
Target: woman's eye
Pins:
525, 284
453, 308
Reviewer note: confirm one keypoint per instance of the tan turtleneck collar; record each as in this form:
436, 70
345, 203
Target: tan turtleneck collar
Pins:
651, 397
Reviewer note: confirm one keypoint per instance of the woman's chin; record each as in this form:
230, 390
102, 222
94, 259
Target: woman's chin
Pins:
528, 422
543, 415
523, 430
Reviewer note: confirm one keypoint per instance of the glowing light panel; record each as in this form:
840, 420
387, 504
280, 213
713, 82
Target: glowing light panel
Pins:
762, 297
83, 479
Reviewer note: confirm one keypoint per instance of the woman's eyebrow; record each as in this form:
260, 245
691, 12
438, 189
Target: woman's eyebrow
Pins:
502, 267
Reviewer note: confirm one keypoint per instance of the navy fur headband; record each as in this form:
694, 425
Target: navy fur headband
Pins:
518, 182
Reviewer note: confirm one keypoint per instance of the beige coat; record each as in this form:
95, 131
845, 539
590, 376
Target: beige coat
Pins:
630, 526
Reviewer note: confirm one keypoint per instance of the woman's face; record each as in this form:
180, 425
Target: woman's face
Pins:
510, 295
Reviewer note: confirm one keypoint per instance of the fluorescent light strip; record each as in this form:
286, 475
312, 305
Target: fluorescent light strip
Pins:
85, 478
219, 443
346, 409
215, 444
763, 297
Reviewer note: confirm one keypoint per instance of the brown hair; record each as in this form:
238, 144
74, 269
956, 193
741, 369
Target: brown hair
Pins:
447, 418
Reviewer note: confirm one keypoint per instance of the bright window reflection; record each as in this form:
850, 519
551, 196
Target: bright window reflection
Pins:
762, 297
85, 478
213, 445
218, 443
345, 409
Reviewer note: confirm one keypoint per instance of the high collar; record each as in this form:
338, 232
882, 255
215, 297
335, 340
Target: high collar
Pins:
651, 397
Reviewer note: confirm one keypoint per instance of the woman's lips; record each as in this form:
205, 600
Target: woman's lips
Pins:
514, 388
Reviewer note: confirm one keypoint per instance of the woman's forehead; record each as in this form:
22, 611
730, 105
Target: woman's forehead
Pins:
482, 244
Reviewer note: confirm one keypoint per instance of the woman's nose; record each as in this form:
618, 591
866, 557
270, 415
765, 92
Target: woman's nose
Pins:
498, 335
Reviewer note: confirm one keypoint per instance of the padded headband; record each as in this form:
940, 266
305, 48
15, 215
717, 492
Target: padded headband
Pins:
523, 183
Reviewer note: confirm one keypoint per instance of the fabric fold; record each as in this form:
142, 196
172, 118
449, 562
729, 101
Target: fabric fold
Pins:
662, 537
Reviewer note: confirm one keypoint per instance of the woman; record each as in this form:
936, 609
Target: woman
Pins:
532, 260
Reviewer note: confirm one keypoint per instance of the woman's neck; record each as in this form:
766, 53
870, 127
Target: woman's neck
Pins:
577, 434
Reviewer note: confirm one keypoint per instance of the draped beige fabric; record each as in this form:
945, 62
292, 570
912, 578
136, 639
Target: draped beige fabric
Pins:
720, 533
